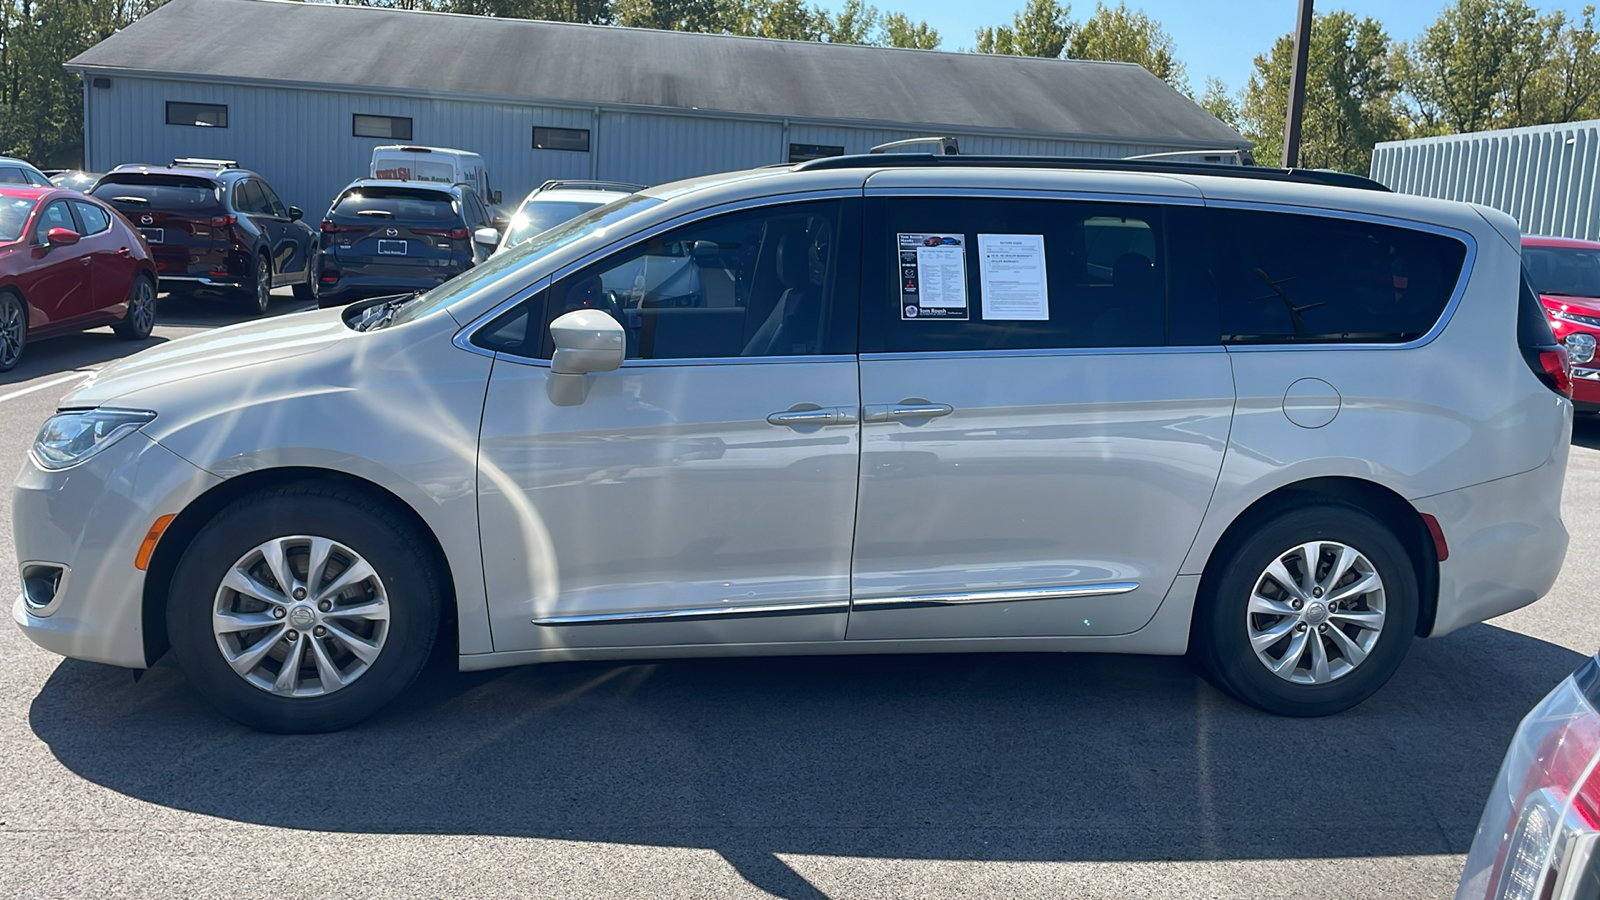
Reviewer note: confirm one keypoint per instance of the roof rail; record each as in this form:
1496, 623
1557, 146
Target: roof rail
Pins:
196, 162
947, 145
1160, 167
591, 186
1238, 157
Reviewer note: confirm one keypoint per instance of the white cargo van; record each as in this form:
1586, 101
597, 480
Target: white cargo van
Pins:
440, 165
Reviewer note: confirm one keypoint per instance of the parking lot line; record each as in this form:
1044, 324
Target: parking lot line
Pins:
79, 373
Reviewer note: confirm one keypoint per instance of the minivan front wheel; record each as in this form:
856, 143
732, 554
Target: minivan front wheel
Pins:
303, 609
1311, 614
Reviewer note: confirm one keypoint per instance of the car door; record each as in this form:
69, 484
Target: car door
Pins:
112, 266
705, 491
58, 284
251, 201
1041, 433
291, 239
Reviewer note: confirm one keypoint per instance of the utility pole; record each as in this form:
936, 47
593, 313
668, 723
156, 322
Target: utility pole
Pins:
1297, 88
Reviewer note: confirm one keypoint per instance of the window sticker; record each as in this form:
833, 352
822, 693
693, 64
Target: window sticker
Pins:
933, 276
1011, 277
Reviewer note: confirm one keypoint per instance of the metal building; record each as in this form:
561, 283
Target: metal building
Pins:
302, 92
1544, 175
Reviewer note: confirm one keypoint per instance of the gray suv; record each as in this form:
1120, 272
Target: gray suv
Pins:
1281, 422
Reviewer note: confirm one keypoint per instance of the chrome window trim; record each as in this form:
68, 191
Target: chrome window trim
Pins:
933, 191
659, 615
1445, 315
646, 233
963, 598
1046, 351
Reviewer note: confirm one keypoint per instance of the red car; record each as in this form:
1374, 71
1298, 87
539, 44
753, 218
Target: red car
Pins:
1566, 274
69, 262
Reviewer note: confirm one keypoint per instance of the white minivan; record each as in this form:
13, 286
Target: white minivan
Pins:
439, 165
1282, 422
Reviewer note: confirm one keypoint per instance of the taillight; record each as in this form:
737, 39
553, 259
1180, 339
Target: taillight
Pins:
1558, 366
1541, 827
223, 221
458, 234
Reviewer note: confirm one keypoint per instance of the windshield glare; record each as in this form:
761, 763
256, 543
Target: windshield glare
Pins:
536, 216
1569, 271
545, 242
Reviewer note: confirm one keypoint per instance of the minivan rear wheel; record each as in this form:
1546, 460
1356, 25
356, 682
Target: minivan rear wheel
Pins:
303, 609
1311, 613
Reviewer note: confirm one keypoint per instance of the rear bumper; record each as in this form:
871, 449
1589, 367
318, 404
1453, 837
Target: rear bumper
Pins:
195, 281
355, 285
1506, 542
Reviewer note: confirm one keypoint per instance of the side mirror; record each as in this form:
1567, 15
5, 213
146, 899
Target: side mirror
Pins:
61, 237
587, 340
296, 214
494, 198
487, 237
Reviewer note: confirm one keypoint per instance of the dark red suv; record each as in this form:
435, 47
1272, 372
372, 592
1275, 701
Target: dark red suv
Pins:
213, 226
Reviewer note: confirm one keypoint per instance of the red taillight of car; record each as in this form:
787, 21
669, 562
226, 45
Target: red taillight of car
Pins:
330, 277
1558, 366
456, 234
223, 221
1540, 831
218, 273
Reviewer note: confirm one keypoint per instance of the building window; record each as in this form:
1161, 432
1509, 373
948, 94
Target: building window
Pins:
561, 139
799, 153
393, 127
205, 115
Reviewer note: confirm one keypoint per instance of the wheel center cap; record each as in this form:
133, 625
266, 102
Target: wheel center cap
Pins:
302, 617
1316, 613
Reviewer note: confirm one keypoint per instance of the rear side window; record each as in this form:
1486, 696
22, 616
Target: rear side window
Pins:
248, 198
1291, 278
93, 217
404, 204
176, 193
999, 274
12, 175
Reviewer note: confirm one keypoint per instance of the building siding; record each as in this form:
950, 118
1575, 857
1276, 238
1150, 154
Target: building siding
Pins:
301, 140
1544, 176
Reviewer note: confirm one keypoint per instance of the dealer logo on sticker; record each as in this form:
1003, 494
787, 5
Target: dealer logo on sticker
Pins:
911, 312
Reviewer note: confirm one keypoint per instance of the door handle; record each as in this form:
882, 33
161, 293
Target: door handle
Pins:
124, 251
907, 410
85, 261
813, 417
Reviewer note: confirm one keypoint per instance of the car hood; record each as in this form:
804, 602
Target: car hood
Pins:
213, 352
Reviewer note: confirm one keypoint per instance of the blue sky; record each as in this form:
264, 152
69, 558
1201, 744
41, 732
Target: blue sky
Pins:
1212, 37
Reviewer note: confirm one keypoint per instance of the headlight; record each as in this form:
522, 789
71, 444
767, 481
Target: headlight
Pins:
69, 438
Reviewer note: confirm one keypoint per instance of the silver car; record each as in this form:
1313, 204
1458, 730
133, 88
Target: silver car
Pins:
1281, 422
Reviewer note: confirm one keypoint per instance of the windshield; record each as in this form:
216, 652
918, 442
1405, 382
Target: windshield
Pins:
13, 217
545, 242
158, 191
1565, 271
536, 216
410, 204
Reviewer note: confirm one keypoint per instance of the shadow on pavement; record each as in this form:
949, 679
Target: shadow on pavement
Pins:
978, 757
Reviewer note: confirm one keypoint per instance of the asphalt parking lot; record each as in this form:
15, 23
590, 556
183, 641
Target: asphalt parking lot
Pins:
964, 776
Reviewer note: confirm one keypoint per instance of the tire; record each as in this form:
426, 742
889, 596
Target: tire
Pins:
204, 614
258, 297
140, 319
1245, 600
13, 330
306, 291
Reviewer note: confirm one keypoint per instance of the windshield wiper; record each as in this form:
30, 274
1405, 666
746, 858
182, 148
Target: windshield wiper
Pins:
143, 200
381, 315
1294, 311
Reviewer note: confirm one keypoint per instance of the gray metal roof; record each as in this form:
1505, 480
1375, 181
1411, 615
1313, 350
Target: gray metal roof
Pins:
365, 48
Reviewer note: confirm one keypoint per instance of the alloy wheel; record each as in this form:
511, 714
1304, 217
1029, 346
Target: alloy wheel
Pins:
263, 285
12, 333
1316, 612
143, 312
301, 616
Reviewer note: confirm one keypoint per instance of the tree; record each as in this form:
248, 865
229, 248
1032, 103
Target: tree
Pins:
1043, 28
1123, 35
1217, 101
1569, 86
1460, 71
670, 15
900, 31
592, 12
1351, 95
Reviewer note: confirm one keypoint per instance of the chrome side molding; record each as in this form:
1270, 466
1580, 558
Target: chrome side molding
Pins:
914, 601
705, 612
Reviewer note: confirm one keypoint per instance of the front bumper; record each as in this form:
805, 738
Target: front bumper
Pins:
1506, 542
90, 520
1586, 388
